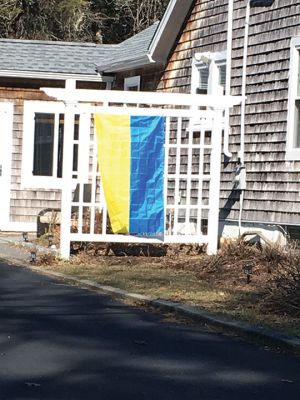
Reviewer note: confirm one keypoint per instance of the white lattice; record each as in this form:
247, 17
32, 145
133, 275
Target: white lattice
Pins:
192, 165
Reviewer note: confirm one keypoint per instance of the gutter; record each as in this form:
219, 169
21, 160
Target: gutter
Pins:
124, 65
55, 76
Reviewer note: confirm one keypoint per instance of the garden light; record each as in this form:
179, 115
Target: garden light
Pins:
248, 270
50, 239
33, 256
25, 236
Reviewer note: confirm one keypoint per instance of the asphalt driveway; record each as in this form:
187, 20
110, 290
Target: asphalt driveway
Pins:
62, 342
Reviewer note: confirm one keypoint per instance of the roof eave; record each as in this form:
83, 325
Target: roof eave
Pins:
162, 42
134, 63
54, 76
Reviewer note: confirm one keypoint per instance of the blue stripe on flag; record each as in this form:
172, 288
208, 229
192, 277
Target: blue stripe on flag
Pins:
146, 216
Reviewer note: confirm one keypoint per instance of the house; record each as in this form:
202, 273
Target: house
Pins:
270, 144
271, 141
185, 53
33, 123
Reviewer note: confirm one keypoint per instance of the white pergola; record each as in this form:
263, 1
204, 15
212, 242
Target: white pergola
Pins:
184, 113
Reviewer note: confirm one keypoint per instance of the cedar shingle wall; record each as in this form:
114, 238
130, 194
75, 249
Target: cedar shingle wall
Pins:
273, 184
149, 78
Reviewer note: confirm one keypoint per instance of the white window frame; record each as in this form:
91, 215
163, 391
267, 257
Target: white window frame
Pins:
6, 120
213, 61
292, 152
28, 180
133, 81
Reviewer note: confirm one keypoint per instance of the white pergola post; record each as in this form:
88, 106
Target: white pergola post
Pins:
66, 196
214, 192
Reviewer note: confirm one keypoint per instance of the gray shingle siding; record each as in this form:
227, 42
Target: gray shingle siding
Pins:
273, 184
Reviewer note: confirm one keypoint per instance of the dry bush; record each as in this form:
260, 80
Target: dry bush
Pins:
46, 259
284, 287
239, 249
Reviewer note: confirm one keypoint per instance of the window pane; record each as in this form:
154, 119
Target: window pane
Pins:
222, 75
43, 144
298, 90
76, 127
60, 145
297, 124
133, 88
75, 158
75, 145
203, 80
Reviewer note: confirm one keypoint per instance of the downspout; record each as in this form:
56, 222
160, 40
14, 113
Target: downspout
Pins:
244, 75
243, 109
228, 76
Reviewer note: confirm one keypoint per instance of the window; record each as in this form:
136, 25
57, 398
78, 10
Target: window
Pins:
293, 123
133, 83
43, 137
209, 73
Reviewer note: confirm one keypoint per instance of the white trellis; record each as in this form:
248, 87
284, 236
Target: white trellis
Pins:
194, 125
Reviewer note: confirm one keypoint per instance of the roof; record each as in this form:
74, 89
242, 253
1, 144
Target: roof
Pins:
131, 51
152, 45
62, 60
51, 57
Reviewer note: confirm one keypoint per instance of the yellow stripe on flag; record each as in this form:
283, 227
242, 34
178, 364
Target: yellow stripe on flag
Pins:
113, 134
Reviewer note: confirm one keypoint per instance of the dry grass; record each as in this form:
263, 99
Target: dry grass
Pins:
216, 283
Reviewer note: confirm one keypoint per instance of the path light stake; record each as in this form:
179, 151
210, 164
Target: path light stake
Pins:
50, 239
248, 271
33, 256
25, 236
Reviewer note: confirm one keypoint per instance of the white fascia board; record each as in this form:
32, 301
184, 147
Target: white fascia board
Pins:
168, 29
127, 64
54, 76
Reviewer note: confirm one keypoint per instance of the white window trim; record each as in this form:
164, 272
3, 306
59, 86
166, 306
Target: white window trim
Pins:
28, 180
133, 81
292, 153
202, 59
6, 112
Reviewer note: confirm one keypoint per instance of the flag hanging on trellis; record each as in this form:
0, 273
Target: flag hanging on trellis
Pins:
131, 163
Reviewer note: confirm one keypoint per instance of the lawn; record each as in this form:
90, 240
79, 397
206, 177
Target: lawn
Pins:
216, 283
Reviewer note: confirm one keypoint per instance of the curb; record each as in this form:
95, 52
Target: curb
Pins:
243, 329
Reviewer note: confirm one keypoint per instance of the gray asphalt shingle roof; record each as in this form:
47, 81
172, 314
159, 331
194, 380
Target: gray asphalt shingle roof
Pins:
53, 57
70, 57
131, 49
134, 47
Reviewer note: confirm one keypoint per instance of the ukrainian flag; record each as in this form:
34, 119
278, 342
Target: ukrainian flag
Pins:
131, 163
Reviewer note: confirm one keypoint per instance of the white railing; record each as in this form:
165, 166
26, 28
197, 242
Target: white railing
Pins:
194, 126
